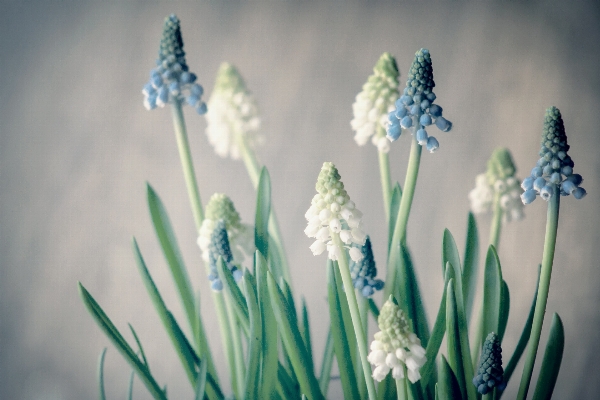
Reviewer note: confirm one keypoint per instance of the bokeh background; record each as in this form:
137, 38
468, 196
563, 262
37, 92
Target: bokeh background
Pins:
77, 146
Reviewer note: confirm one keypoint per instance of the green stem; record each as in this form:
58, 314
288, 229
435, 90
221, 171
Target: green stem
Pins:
496, 226
401, 389
386, 179
253, 168
542, 297
226, 332
363, 309
239, 377
186, 162
355, 315
399, 236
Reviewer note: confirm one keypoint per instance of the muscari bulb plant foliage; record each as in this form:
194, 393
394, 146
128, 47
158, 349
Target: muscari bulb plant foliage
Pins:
266, 337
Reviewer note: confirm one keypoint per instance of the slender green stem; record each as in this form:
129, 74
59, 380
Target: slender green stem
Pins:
363, 309
355, 315
488, 396
399, 236
401, 389
253, 168
226, 332
239, 377
386, 179
186, 162
542, 296
496, 226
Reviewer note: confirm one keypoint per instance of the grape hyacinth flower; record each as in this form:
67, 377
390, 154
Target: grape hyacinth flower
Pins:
415, 108
232, 115
171, 81
333, 213
553, 173
490, 372
498, 182
374, 102
219, 247
363, 272
240, 236
396, 346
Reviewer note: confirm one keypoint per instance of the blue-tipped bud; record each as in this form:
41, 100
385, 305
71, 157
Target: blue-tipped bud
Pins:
527, 183
490, 372
425, 120
425, 104
196, 90
406, 100
364, 271
546, 192
528, 196
406, 122
431, 97
422, 137
192, 100
216, 285
393, 131
435, 110
568, 187
576, 179
219, 247
400, 112
202, 108
579, 193
432, 144
415, 109
539, 183
536, 172
443, 124
555, 178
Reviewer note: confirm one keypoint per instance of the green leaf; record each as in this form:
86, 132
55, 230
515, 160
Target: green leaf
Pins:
238, 300
327, 363
449, 252
252, 384
305, 331
524, 339
552, 360
201, 382
448, 387
374, 309
394, 207
263, 211
470, 265
340, 333
292, 341
492, 293
119, 342
139, 344
269, 359
130, 386
101, 392
168, 242
386, 389
453, 341
504, 310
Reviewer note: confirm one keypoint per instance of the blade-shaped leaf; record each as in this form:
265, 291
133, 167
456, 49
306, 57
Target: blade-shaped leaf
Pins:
119, 342
238, 301
139, 344
101, 392
492, 293
263, 211
168, 243
326, 364
292, 341
130, 386
201, 382
394, 206
252, 384
448, 387
305, 331
373, 308
470, 265
339, 332
449, 252
504, 310
552, 360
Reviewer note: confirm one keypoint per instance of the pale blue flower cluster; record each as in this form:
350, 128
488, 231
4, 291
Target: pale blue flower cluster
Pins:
171, 80
415, 108
219, 246
490, 374
554, 170
363, 272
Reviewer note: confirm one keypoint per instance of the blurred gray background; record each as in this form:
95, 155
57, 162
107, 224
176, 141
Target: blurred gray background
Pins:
76, 146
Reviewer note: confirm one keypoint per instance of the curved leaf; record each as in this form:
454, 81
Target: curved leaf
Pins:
552, 360
101, 392
470, 265
448, 388
263, 211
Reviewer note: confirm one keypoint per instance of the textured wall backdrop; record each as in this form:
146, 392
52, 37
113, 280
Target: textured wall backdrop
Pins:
76, 146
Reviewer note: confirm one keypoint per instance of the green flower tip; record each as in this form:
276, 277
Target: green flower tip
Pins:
171, 43
221, 207
394, 326
500, 166
554, 138
420, 75
329, 183
386, 66
229, 78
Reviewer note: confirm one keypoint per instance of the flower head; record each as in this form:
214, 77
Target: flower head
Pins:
374, 103
219, 247
333, 213
363, 272
395, 346
171, 81
490, 372
415, 108
240, 236
499, 182
553, 173
232, 114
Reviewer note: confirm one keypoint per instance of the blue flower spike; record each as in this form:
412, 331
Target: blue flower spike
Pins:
415, 108
490, 372
171, 80
553, 173
219, 246
363, 272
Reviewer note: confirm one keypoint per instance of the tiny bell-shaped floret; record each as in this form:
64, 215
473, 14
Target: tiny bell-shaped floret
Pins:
374, 102
395, 346
333, 213
552, 175
219, 247
416, 108
171, 80
490, 372
363, 272
232, 114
